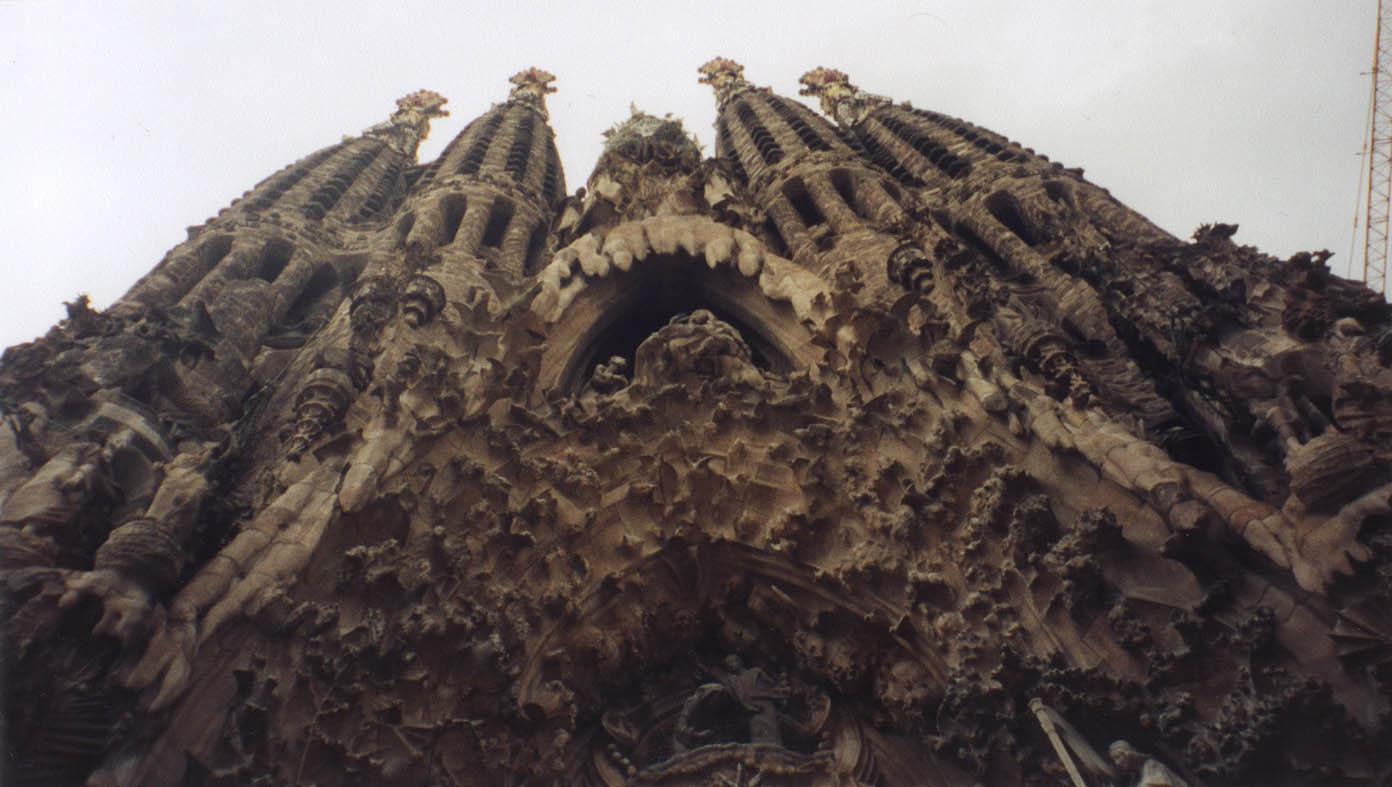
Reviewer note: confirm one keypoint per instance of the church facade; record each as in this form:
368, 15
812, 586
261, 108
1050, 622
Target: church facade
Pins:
876, 449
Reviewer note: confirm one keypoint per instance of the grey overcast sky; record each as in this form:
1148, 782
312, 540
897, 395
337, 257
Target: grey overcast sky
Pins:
122, 123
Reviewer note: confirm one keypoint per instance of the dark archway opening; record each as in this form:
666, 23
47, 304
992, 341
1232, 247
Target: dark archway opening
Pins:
650, 296
274, 257
1008, 212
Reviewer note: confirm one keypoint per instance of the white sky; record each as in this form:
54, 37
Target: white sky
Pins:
122, 123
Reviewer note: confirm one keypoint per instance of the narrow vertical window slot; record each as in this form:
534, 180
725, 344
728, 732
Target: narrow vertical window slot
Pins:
319, 284
731, 157
214, 250
499, 216
519, 153
882, 156
768, 147
550, 179
381, 190
804, 132
775, 238
274, 258
453, 209
845, 186
473, 158
535, 246
796, 193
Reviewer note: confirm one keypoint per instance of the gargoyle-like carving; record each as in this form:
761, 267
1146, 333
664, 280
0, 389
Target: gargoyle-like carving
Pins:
46, 506
911, 268
740, 720
695, 345
145, 555
422, 300
372, 305
714, 709
326, 394
1330, 470
611, 376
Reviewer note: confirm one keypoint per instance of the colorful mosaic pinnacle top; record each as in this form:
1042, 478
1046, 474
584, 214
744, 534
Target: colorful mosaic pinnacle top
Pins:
841, 100
828, 85
419, 107
410, 123
725, 75
532, 85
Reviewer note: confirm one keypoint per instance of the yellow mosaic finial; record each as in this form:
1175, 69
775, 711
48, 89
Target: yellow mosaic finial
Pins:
725, 75
842, 101
410, 123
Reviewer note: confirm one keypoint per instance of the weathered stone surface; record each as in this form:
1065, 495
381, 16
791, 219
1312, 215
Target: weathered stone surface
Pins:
886, 452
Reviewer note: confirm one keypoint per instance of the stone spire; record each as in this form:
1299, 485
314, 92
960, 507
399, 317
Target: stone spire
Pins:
409, 125
486, 202
841, 101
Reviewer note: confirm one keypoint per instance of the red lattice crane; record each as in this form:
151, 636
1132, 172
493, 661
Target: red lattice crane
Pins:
1379, 146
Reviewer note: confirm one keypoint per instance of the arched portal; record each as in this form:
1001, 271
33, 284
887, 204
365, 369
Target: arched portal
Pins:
607, 310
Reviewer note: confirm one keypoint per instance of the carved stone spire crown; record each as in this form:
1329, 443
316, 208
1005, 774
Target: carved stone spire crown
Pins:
410, 123
532, 86
725, 76
643, 136
842, 101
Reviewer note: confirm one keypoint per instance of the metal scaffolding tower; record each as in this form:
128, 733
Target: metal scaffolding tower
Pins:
1379, 156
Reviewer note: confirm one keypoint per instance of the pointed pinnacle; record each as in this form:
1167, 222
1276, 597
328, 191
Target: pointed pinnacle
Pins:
410, 123
725, 75
828, 85
532, 82
841, 101
720, 70
531, 86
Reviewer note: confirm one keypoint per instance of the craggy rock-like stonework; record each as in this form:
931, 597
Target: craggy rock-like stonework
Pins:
872, 451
